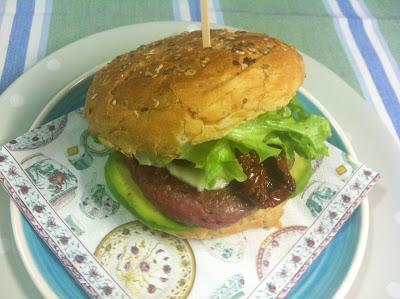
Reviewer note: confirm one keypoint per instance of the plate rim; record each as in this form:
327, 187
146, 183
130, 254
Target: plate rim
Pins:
16, 216
48, 292
364, 226
36, 276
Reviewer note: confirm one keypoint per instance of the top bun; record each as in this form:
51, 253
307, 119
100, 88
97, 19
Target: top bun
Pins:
173, 91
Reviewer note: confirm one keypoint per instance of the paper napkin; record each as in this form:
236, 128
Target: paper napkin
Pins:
55, 175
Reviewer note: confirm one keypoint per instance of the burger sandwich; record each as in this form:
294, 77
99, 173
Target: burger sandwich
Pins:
207, 141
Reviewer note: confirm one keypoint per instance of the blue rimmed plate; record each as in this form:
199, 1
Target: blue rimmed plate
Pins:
347, 247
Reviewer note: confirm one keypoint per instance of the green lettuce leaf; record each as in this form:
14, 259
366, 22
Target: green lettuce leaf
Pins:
221, 163
290, 129
218, 160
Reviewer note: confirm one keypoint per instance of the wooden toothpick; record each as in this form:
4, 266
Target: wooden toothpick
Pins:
205, 25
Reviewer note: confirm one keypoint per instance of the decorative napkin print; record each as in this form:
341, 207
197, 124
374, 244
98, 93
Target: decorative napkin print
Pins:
55, 175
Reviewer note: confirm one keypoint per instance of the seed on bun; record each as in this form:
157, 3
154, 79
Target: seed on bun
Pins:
173, 91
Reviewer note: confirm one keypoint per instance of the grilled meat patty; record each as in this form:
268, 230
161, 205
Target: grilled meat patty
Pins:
269, 183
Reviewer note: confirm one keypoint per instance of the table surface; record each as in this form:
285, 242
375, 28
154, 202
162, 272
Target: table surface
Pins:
358, 40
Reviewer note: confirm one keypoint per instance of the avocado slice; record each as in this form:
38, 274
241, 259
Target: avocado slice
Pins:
125, 190
301, 171
128, 193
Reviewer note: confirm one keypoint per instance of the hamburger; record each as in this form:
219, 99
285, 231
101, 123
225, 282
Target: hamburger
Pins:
208, 141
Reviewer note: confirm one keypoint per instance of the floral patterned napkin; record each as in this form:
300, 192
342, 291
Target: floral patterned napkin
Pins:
55, 176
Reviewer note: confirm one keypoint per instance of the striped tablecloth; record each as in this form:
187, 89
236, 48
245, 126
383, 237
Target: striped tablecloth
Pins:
357, 39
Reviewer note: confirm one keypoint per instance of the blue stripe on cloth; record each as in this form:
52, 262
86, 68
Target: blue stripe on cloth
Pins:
382, 41
2, 7
176, 9
347, 50
195, 10
45, 29
218, 12
373, 63
17, 47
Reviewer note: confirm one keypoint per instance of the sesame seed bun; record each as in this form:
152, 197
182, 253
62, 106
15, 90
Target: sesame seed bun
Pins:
173, 91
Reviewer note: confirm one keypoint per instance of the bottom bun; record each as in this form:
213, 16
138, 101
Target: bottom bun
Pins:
262, 218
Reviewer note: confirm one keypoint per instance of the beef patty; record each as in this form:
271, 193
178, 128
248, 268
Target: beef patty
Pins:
269, 183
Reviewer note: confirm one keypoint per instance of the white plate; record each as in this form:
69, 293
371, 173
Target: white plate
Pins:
25, 99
